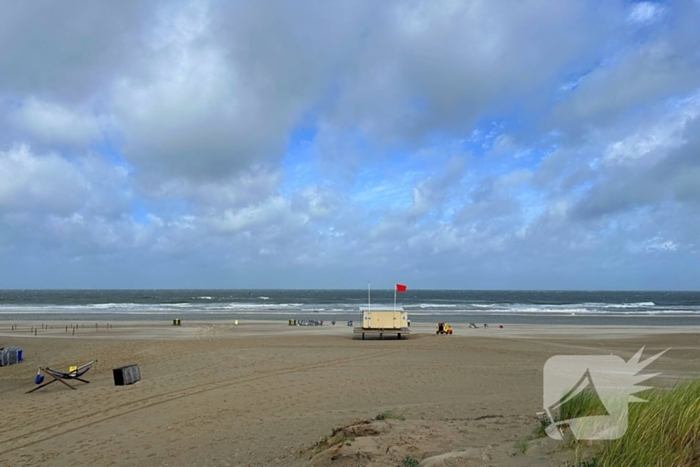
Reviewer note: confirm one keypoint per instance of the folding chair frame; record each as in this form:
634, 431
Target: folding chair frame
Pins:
60, 376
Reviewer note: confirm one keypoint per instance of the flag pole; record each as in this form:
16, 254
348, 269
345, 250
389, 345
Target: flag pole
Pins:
368, 300
395, 305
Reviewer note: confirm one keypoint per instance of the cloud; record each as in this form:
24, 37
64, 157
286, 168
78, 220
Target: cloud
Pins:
658, 244
45, 198
319, 202
432, 192
51, 123
251, 218
238, 190
646, 12
647, 70
193, 118
70, 50
654, 140
653, 166
435, 66
30, 183
477, 144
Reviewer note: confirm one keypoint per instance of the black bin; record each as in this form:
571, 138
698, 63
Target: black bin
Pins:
126, 375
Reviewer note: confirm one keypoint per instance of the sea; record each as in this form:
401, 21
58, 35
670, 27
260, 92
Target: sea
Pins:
453, 306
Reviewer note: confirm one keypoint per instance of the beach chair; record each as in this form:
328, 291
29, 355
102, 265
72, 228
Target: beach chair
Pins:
61, 376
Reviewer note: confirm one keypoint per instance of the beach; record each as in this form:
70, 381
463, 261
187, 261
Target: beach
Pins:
263, 393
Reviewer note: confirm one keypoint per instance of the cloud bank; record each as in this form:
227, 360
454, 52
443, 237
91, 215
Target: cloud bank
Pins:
481, 144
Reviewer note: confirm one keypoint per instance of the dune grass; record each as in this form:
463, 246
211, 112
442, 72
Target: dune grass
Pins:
390, 415
587, 403
665, 431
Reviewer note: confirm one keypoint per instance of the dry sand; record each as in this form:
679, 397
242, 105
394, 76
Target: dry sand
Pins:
263, 394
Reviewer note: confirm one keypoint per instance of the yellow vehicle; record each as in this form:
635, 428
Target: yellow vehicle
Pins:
443, 328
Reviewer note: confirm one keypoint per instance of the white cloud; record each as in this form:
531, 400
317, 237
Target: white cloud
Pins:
432, 192
319, 202
274, 213
655, 139
646, 13
205, 101
48, 202
29, 183
505, 144
658, 244
251, 186
653, 245
56, 124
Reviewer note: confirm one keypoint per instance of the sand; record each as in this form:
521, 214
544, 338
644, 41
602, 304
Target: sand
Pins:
265, 393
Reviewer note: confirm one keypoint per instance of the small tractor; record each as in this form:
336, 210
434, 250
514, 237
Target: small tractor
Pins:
443, 328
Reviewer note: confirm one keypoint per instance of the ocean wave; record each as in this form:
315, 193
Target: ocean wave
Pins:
425, 308
621, 305
565, 305
457, 316
260, 305
291, 313
556, 312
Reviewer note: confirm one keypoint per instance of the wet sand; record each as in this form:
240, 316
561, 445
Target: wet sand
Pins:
263, 393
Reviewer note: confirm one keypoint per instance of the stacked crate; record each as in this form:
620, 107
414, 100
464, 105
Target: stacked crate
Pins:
10, 356
126, 375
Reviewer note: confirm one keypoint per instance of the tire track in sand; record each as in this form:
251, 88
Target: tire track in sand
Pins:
164, 397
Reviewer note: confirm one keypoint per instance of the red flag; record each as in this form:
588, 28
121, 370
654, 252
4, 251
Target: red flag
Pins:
400, 288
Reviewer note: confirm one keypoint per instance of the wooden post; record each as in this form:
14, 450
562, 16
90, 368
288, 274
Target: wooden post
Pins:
95, 327
35, 331
74, 331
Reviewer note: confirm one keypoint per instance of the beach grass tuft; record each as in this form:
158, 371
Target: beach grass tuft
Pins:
585, 404
663, 431
521, 446
389, 415
543, 422
586, 463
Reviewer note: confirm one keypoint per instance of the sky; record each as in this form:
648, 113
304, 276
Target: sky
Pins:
476, 144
